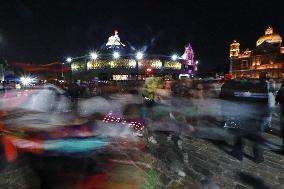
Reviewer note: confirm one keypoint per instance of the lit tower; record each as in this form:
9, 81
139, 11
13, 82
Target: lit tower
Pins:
188, 59
234, 53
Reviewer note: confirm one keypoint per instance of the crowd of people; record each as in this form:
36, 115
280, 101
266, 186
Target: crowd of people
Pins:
246, 109
215, 101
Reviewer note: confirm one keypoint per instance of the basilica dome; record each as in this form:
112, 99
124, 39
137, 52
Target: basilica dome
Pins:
269, 37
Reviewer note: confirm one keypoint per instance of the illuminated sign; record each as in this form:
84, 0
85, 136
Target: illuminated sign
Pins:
183, 76
172, 65
120, 77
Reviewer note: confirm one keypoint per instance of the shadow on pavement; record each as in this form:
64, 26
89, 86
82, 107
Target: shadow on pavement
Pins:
253, 181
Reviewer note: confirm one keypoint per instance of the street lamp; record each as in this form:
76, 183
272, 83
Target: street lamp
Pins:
116, 55
196, 62
174, 57
93, 55
69, 59
139, 55
26, 80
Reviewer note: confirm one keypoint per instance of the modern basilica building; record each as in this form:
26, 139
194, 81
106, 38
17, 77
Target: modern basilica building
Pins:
116, 61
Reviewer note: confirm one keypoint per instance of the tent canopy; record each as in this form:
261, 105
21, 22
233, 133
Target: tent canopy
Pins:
11, 77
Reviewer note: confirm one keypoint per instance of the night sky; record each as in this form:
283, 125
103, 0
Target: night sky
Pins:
42, 31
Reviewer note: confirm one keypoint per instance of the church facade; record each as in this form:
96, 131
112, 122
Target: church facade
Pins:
265, 61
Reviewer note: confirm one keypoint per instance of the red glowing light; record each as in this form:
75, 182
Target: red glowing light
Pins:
149, 70
228, 76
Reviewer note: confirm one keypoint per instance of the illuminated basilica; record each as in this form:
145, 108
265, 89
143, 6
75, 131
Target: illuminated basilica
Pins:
265, 61
116, 61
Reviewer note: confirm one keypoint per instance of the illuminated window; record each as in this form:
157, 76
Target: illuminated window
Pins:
74, 67
156, 64
97, 64
120, 77
113, 64
90, 65
132, 63
258, 60
122, 63
244, 64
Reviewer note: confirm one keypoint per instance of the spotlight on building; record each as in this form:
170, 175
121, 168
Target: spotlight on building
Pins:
139, 55
93, 55
69, 59
174, 57
116, 55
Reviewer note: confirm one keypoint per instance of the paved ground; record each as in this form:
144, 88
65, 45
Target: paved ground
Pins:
199, 165
154, 161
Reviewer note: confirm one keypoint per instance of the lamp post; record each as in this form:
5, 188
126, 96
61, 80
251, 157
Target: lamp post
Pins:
69, 60
139, 56
196, 67
62, 75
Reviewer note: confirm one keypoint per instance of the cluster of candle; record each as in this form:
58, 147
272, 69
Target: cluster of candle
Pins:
131, 124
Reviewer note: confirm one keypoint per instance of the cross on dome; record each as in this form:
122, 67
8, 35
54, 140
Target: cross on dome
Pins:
269, 30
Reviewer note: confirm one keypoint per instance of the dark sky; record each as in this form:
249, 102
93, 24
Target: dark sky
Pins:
42, 31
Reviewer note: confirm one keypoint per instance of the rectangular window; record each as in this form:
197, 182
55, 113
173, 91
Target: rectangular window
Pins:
258, 60
245, 64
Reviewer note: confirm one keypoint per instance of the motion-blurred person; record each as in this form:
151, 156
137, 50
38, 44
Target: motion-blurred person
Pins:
271, 101
1, 87
196, 93
149, 91
280, 100
84, 90
74, 92
244, 108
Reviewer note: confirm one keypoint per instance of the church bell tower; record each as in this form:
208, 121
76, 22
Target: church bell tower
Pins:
234, 53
